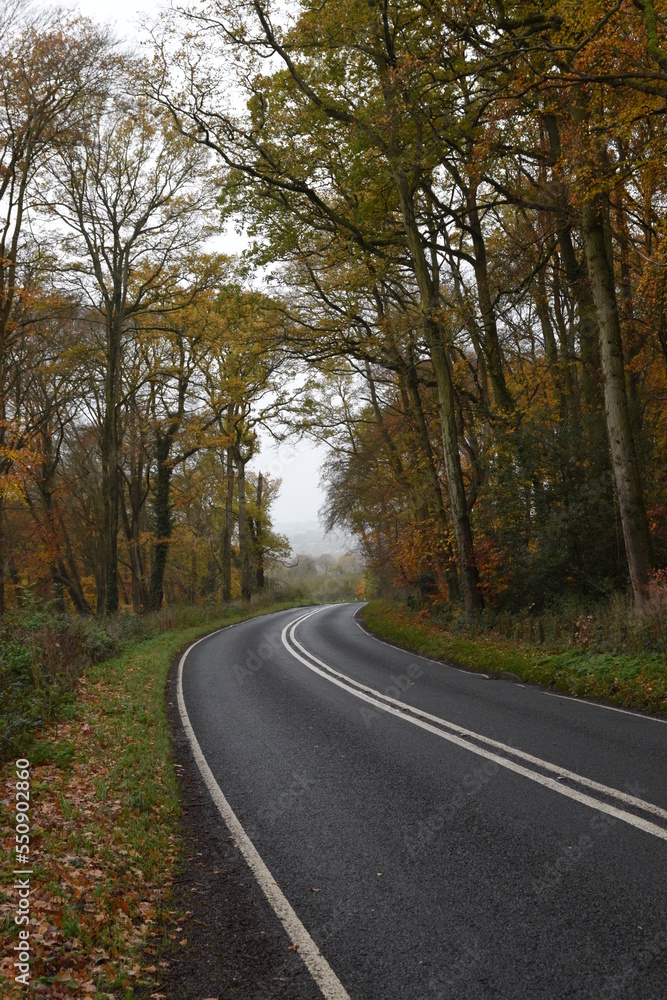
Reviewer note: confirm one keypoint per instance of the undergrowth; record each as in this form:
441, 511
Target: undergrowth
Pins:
613, 625
43, 654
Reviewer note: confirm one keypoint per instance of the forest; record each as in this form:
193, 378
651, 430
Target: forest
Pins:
455, 277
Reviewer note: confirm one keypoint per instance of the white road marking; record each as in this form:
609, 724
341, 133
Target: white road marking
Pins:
607, 708
327, 980
416, 717
419, 656
477, 673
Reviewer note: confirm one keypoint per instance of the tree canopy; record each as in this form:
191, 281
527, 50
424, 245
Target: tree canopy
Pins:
457, 215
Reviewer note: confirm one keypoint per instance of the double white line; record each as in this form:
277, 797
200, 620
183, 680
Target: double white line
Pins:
477, 743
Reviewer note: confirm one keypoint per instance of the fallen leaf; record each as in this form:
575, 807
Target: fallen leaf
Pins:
293, 947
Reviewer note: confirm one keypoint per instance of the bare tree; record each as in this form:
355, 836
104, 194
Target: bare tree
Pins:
130, 195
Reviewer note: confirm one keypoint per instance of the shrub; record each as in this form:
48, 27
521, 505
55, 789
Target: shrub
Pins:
42, 654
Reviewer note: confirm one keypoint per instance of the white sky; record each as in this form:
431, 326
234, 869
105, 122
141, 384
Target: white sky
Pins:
297, 465
123, 14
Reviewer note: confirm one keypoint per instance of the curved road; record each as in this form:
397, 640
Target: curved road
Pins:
437, 833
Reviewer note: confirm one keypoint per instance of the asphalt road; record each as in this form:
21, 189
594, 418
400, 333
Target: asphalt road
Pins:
467, 837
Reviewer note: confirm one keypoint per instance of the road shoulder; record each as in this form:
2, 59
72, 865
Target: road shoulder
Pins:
230, 943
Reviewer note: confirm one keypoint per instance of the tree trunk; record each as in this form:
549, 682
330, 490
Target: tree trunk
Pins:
633, 339
70, 576
595, 218
131, 532
259, 551
111, 511
564, 352
110, 447
227, 530
3, 556
132, 521
472, 595
433, 481
542, 307
162, 508
100, 574
244, 553
5, 466
577, 281
73, 589
16, 581
492, 350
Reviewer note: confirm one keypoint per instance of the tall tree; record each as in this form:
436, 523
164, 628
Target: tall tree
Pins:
380, 131
50, 65
130, 195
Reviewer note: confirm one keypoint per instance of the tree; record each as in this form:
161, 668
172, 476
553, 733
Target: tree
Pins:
131, 197
49, 64
363, 107
247, 382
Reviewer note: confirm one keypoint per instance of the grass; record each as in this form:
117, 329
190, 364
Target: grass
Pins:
43, 654
105, 823
635, 680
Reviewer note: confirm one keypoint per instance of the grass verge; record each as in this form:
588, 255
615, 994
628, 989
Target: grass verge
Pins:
635, 680
104, 827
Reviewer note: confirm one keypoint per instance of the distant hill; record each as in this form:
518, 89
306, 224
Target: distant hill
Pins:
309, 538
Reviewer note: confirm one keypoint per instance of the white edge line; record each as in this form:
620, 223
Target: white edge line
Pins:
534, 685
419, 656
607, 708
562, 772
329, 984
571, 793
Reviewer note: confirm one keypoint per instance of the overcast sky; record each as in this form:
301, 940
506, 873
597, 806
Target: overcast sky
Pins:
298, 466
121, 13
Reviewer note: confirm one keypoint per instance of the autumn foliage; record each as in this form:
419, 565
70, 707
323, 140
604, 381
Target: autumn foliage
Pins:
455, 215
465, 202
